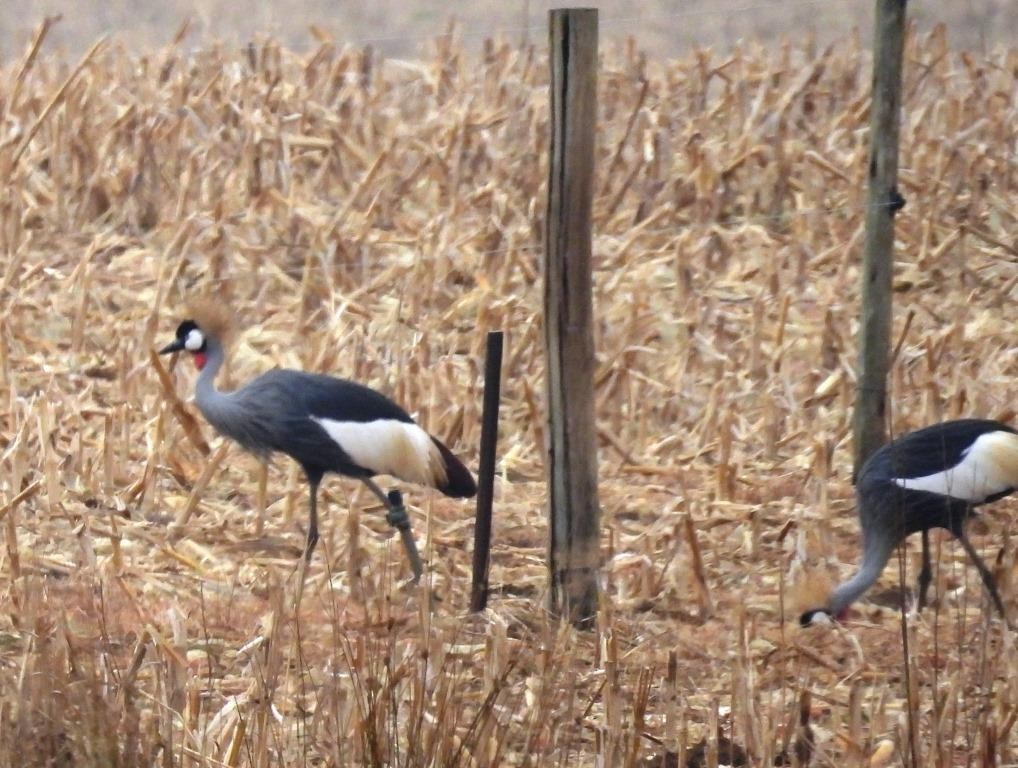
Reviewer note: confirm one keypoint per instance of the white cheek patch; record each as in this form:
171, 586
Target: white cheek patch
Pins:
194, 340
389, 447
989, 466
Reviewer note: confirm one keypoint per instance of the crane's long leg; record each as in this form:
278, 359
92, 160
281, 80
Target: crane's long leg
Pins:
984, 572
312, 539
926, 574
397, 517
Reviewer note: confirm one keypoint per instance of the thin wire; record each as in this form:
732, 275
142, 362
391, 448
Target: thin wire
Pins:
605, 21
706, 12
724, 221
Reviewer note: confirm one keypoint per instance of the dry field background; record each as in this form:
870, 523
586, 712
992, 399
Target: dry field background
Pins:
374, 220
406, 27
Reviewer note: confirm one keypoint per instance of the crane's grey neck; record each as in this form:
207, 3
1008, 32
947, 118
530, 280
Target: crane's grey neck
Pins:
226, 411
205, 394
876, 552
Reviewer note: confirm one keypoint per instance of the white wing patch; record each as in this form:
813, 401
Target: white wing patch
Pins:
389, 447
989, 466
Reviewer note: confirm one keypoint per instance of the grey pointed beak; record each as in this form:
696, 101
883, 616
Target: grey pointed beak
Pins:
174, 346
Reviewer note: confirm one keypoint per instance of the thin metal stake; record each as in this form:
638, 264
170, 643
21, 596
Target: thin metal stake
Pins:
486, 472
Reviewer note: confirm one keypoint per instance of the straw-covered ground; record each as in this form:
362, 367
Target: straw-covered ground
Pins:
374, 220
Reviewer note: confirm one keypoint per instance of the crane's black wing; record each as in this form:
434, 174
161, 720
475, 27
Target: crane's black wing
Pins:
277, 410
300, 414
280, 397
327, 397
347, 401
926, 452
935, 448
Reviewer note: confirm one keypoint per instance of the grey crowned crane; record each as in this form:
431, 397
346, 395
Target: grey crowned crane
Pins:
326, 424
931, 478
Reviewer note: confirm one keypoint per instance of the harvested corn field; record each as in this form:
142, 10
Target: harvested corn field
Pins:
373, 219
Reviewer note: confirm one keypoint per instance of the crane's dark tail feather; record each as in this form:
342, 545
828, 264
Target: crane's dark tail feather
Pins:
459, 483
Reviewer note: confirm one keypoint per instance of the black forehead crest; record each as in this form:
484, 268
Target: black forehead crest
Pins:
185, 328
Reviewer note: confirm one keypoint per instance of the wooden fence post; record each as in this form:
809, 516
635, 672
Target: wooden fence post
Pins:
882, 203
574, 513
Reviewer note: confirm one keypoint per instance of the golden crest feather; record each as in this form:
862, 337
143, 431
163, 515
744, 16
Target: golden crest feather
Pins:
213, 317
808, 592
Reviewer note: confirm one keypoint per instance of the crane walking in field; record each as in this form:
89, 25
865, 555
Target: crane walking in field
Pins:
324, 423
930, 478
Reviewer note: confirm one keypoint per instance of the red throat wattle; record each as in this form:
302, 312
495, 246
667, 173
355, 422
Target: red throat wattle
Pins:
199, 360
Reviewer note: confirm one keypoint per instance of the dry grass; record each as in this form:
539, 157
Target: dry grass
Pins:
374, 221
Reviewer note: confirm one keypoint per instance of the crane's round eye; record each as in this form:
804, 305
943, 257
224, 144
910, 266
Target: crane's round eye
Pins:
194, 340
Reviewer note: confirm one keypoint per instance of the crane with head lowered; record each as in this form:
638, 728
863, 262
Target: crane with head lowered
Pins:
930, 478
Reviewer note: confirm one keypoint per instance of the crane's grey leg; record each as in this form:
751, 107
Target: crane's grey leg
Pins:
987, 577
312, 539
926, 574
397, 517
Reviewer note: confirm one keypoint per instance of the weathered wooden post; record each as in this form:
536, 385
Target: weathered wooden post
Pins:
574, 546
883, 202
